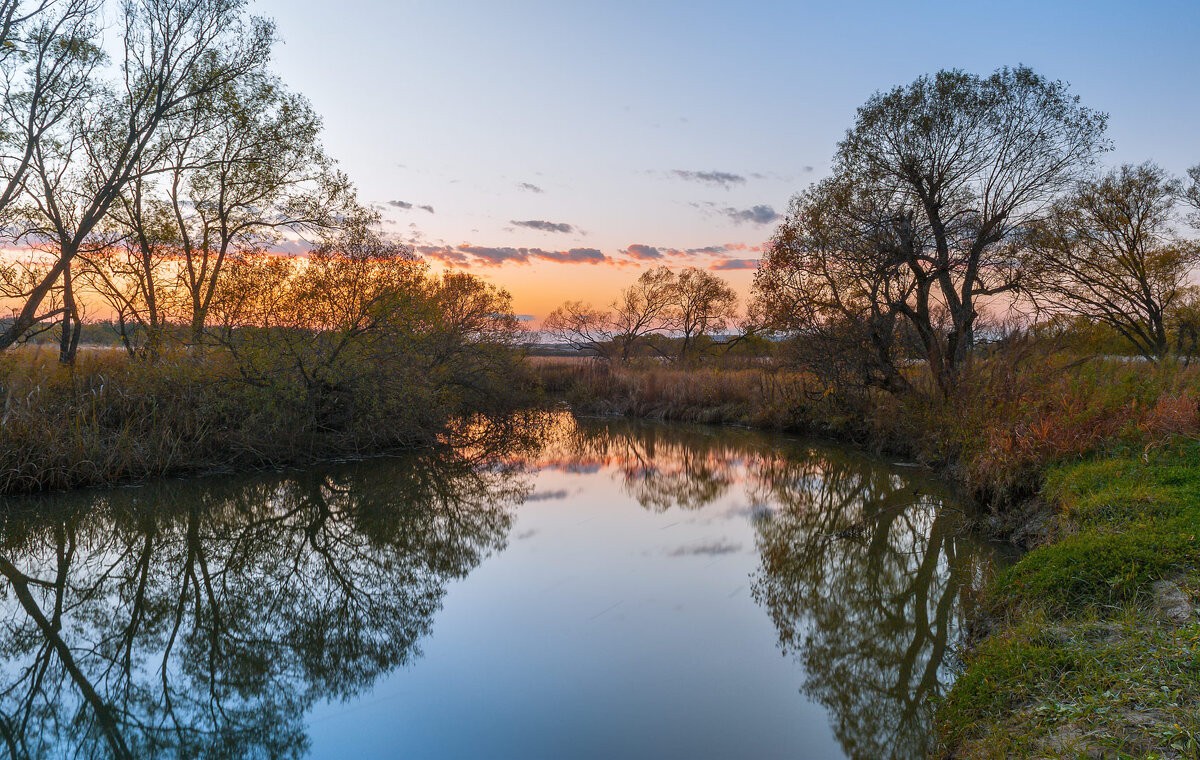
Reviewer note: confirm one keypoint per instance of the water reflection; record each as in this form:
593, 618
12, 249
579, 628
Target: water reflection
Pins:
203, 620
866, 575
867, 570
206, 619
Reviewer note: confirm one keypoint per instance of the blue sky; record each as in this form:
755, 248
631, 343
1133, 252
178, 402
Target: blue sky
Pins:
619, 112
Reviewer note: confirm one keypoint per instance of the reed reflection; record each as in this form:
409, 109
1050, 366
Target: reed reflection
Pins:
203, 620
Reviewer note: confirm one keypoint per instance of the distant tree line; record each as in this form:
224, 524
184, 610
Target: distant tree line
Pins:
668, 314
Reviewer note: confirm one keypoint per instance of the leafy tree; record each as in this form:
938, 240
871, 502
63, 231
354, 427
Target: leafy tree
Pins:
822, 280
701, 303
952, 169
1108, 252
247, 169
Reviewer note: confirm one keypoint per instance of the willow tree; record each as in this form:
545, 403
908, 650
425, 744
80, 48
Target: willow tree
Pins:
247, 171
177, 53
822, 279
958, 165
1109, 252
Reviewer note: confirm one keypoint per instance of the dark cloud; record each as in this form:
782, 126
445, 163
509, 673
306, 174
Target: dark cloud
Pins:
575, 255
755, 215
467, 255
730, 264
722, 179
406, 206
530, 187
643, 252
544, 226
710, 250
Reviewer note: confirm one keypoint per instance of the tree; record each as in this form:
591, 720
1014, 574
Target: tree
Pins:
581, 326
701, 303
1108, 252
956, 166
134, 274
358, 335
642, 308
823, 280
48, 52
1191, 195
245, 170
176, 54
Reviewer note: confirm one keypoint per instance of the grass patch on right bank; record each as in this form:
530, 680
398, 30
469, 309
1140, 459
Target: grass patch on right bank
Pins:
1094, 641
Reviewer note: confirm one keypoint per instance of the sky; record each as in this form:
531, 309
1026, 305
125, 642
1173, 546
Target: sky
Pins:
558, 148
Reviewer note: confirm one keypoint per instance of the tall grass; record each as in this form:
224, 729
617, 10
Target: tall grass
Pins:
108, 418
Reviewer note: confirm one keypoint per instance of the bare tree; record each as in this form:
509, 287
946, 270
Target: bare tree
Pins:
177, 53
48, 52
581, 326
1109, 253
959, 165
642, 308
701, 303
1191, 196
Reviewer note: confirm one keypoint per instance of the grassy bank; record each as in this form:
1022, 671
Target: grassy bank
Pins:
1089, 645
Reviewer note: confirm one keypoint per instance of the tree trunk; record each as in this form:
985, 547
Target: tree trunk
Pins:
68, 341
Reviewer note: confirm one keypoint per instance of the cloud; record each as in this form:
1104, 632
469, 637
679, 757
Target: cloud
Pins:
731, 264
406, 206
466, 255
721, 179
643, 252
544, 226
530, 187
710, 250
760, 214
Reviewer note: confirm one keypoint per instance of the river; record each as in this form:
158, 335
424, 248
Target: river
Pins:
609, 589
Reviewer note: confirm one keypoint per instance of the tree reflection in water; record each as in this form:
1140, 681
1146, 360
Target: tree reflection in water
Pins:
864, 573
204, 618
866, 577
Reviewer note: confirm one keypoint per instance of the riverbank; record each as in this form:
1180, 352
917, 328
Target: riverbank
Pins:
1090, 644
109, 419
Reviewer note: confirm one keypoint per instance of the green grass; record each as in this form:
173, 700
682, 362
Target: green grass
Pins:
1078, 661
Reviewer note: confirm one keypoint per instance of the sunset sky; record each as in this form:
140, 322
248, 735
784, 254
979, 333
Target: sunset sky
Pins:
556, 148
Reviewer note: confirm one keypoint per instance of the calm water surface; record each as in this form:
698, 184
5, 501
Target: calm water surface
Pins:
618, 590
